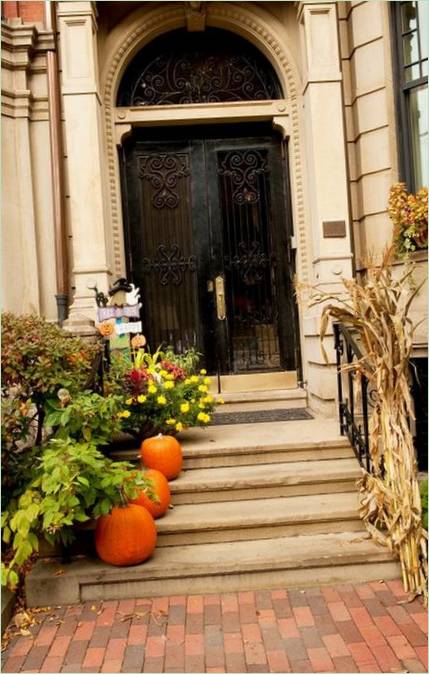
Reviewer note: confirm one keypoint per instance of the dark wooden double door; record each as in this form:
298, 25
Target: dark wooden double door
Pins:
208, 243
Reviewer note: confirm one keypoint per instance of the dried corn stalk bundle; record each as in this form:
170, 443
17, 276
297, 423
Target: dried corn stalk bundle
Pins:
377, 312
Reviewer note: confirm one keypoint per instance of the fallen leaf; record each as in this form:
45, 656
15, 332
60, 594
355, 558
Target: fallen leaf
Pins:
25, 633
59, 572
411, 597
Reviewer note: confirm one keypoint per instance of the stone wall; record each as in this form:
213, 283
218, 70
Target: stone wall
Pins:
28, 262
370, 121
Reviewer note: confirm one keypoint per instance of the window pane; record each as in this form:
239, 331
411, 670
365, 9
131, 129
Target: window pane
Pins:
410, 48
412, 73
418, 111
424, 68
408, 11
423, 27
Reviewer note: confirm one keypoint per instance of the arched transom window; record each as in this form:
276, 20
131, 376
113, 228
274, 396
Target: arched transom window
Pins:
209, 67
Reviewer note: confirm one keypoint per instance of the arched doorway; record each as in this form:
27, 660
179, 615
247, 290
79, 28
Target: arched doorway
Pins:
206, 208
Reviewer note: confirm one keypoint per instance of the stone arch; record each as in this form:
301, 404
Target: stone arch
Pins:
251, 23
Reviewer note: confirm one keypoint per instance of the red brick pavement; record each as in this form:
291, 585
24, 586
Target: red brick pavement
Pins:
348, 628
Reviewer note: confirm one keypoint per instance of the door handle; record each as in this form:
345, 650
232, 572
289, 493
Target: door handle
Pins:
220, 298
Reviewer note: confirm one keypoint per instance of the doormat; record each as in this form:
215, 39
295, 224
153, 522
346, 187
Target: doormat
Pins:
259, 416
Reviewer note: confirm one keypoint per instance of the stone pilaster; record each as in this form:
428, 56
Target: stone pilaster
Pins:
326, 162
84, 148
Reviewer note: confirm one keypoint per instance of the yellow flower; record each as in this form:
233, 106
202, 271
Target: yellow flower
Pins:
141, 399
161, 400
169, 384
170, 377
152, 389
194, 379
221, 401
179, 427
163, 373
203, 371
205, 418
201, 406
170, 422
129, 401
125, 414
187, 381
208, 399
184, 407
207, 381
203, 388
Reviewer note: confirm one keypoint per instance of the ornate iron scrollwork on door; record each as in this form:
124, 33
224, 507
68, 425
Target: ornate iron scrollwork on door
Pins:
210, 67
170, 264
243, 168
250, 261
164, 171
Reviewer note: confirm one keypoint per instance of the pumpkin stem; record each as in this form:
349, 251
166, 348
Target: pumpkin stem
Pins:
124, 502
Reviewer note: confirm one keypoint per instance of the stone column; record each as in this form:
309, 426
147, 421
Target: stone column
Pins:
83, 139
326, 162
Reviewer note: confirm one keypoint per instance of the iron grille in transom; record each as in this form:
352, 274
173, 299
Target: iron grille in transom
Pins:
209, 67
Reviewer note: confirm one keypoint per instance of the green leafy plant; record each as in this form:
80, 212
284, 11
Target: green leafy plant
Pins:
87, 417
38, 358
424, 501
70, 483
188, 360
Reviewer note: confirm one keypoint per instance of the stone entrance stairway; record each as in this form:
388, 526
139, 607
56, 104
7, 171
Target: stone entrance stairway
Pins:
257, 506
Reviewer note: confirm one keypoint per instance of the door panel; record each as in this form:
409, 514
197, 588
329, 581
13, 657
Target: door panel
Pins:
206, 209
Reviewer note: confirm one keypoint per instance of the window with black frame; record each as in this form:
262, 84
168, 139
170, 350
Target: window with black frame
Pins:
410, 20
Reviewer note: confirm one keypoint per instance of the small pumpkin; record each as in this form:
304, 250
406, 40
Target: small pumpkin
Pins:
162, 453
162, 491
126, 536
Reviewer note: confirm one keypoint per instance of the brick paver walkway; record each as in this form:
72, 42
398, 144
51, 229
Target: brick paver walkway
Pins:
348, 628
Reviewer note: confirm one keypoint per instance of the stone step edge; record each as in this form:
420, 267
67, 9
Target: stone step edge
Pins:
335, 443
168, 528
217, 484
262, 395
94, 569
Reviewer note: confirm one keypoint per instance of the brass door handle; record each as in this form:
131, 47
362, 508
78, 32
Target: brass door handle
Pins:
220, 298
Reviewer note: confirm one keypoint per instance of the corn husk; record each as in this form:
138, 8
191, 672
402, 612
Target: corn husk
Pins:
377, 313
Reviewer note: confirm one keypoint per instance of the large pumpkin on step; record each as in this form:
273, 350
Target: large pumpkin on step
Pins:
162, 491
126, 536
162, 453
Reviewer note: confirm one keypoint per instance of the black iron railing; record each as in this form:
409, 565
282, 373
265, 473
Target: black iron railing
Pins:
353, 397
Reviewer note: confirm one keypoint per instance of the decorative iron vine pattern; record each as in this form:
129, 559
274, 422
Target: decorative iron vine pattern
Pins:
170, 264
243, 168
198, 68
250, 261
164, 171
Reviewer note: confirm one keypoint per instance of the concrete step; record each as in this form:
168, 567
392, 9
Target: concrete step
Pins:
247, 401
218, 457
237, 483
257, 381
259, 518
217, 567
257, 443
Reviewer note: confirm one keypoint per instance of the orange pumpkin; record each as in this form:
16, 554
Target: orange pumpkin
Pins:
162, 491
126, 536
162, 453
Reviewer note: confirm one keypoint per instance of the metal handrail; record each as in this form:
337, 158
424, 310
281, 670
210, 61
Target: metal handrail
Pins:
347, 350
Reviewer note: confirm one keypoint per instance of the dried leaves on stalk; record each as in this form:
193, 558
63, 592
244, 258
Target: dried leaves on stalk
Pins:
377, 313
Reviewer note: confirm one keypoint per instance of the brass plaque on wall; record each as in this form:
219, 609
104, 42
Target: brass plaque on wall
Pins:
334, 229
